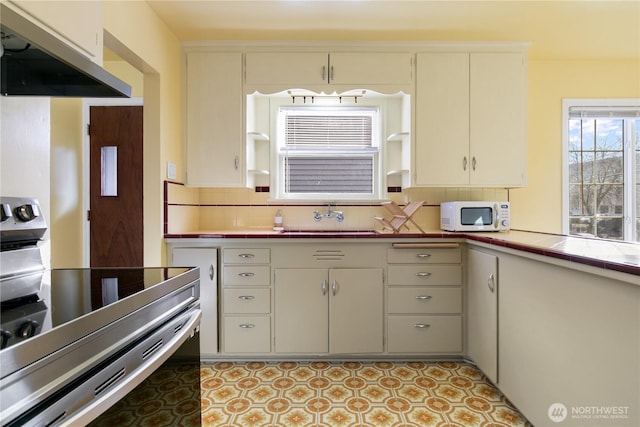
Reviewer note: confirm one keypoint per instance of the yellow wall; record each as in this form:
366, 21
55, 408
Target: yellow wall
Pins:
142, 39
538, 207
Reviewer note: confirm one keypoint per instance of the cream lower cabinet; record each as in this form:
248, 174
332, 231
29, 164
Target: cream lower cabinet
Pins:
246, 301
207, 260
482, 311
336, 311
424, 299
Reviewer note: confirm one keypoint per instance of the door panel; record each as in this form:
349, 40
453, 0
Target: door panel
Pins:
482, 312
356, 310
116, 221
301, 309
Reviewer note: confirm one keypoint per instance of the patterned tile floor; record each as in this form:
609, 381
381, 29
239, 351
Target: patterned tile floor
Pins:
350, 394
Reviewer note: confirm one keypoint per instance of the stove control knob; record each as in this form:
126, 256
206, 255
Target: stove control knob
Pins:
5, 211
27, 212
5, 336
27, 329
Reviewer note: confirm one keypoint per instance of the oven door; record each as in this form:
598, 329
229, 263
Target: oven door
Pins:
135, 384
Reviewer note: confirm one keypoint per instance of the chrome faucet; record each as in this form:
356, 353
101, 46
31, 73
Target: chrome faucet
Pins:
338, 215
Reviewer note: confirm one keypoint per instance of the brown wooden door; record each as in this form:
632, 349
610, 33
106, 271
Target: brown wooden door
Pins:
116, 219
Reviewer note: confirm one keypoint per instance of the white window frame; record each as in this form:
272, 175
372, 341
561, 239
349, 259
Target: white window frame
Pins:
376, 151
629, 222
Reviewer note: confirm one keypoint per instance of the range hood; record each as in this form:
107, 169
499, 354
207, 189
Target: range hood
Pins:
35, 63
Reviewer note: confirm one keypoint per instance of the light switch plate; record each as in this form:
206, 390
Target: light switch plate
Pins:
171, 170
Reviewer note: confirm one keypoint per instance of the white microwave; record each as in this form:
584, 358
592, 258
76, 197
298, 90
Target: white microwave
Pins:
474, 216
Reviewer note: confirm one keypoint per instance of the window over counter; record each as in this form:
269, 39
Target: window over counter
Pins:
328, 147
601, 140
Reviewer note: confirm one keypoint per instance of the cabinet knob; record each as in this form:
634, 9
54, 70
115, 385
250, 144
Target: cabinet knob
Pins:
423, 274
211, 272
421, 325
246, 256
423, 256
464, 163
324, 287
246, 274
334, 287
247, 325
246, 297
423, 297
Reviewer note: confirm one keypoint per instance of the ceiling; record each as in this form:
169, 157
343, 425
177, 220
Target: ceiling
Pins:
568, 29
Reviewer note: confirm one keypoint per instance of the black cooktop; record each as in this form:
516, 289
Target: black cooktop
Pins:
69, 294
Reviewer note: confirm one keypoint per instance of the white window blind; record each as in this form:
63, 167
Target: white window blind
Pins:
328, 131
594, 112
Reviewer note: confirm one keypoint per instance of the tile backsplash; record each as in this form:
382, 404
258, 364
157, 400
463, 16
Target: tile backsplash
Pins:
192, 209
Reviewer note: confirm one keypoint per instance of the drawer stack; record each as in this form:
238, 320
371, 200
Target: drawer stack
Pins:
424, 300
246, 300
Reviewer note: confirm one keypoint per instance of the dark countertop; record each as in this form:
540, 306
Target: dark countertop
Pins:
607, 254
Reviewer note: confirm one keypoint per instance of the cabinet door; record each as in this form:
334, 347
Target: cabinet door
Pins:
301, 307
214, 119
289, 68
442, 119
356, 310
62, 18
363, 69
498, 119
206, 259
482, 311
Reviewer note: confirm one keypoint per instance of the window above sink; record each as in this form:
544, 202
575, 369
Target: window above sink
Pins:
308, 146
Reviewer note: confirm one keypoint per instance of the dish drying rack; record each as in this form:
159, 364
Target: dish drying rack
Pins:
400, 216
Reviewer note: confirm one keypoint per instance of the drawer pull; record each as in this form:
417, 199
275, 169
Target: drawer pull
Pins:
423, 274
247, 325
491, 282
246, 274
246, 256
423, 297
423, 256
421, 325
246, 297
324, 287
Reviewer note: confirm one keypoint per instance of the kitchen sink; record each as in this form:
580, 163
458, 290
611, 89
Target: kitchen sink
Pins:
325, 232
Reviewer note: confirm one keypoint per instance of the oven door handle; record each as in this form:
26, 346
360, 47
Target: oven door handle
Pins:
122, 384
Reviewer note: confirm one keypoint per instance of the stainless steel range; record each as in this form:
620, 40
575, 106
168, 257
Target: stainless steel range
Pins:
77, 341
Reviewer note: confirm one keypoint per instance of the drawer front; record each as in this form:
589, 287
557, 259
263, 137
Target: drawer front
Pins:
425, 334
425, 275
247, 334
425, 300
424, 255
246, 300
246, 256
249, 275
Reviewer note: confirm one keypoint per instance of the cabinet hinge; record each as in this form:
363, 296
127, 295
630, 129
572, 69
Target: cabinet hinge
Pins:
88, 215
89, 129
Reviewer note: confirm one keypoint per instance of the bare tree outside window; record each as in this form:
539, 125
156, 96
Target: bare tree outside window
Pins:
596, 177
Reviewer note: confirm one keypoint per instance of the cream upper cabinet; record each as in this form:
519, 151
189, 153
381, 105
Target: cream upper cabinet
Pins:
470, 119
214, 120
315, 70
289, 68
60, 18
